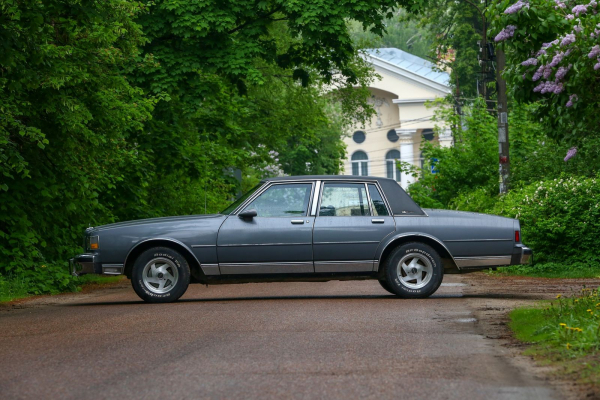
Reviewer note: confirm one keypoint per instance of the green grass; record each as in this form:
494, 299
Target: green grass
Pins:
564, 333
553, 270
14, 287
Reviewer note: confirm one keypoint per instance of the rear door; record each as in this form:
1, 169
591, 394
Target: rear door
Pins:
352, 220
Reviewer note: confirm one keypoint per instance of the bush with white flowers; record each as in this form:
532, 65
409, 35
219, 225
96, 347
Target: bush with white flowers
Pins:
560, 218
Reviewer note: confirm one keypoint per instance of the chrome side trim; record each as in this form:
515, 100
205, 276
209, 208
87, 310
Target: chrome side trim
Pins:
315, 201
482, 261
210, 269
376, 266
264, 244
358, 242
344, 266
165, 239
479, 240
195, 246
266, 268
113, 269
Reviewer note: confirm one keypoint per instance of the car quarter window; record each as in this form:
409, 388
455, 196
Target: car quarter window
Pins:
379, 208
289, 200
344, 200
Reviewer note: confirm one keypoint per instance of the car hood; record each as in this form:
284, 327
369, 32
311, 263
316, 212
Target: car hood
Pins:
162, 220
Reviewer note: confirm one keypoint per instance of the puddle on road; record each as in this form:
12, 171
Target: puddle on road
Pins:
453, 284
466, 320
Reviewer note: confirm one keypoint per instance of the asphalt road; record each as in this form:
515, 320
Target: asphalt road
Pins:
334, 340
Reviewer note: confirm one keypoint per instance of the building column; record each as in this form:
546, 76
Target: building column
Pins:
407, 141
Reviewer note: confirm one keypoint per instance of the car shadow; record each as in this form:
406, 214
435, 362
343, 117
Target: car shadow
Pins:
315, 297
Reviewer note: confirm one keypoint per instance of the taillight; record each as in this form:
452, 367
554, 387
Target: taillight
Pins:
517, 236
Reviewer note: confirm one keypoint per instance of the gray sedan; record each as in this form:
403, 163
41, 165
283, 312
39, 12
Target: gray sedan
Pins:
305, 228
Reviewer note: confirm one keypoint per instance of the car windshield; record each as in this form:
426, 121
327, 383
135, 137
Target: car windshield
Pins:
239, 201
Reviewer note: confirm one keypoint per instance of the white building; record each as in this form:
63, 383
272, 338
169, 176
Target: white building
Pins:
402, 121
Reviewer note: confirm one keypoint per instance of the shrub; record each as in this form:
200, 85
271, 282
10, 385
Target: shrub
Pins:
560, 218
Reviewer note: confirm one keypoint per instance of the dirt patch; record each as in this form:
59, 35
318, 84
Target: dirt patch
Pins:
494, 296
87, 290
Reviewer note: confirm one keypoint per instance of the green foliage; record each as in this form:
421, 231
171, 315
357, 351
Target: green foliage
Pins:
118, 110
470, 163
559, 218
453, 28
400, 33
569, 324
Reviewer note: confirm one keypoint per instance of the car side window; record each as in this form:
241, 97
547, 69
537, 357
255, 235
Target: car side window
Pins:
344, 200
289, 200
379, 208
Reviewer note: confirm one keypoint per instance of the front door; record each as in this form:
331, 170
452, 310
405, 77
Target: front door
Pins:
278, 240
352, 220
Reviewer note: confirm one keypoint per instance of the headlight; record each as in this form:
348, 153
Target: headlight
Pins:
92, 242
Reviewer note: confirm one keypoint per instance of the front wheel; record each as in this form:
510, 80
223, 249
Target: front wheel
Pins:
160, 275
414, 270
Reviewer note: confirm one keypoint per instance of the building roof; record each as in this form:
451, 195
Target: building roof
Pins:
410, 62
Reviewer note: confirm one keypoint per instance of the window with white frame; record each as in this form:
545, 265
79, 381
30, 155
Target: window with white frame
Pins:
393, 172
360, 163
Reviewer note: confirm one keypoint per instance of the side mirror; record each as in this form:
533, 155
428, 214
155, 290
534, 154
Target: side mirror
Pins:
248, 214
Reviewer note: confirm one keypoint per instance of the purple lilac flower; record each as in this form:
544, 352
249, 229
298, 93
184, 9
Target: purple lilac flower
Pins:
556, 59
595, 52
572, 98
597, 66
568, 39
529, 62
571, 153
562, 71
560, 4
547, 72
568, 52
577, 28
538, 74
524, 76
516, 7
569, 16
579, 9
506, 33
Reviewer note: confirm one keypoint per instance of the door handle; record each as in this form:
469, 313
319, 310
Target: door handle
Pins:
297, 221
377, 221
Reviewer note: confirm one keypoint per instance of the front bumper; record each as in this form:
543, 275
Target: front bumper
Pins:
84, 264
521, 255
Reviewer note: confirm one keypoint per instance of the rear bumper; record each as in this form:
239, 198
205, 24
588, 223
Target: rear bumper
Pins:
521, 255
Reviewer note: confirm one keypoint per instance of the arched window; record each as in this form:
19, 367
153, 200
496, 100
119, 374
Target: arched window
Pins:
393, 172
360, 163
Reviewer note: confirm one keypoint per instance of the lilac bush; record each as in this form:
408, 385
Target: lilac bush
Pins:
557, 61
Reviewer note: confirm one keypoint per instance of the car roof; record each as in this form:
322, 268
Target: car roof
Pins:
398, 199
326, 177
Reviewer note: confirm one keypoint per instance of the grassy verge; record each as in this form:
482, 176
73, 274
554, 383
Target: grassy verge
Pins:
553, 270
14, 287
564, 333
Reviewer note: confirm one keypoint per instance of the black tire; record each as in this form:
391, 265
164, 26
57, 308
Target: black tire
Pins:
160, 275
415, 284
386, 286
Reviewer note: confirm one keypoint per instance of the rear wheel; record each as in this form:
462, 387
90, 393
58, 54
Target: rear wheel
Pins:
414, 270
160, 275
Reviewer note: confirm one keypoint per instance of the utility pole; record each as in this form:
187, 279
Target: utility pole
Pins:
503, 149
